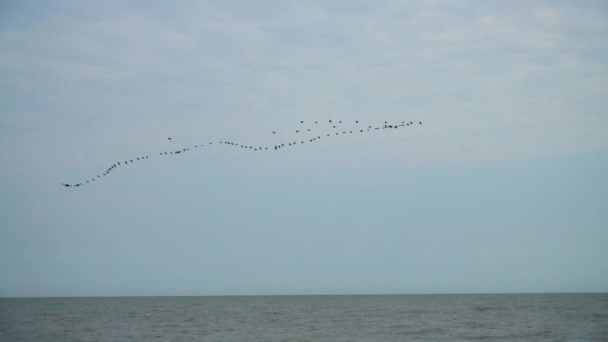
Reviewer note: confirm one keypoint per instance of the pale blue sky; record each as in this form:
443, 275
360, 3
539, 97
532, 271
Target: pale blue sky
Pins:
503, 189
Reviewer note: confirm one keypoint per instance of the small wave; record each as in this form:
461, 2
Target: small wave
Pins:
482, 308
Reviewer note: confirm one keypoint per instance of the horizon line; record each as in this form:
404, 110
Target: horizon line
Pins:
310, 295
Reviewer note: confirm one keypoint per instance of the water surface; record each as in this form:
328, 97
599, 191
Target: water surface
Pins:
521, 317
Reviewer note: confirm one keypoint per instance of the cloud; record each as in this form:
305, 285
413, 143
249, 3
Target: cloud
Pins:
89, 83
492, 71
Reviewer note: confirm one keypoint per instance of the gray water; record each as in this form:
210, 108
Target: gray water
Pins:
520, 317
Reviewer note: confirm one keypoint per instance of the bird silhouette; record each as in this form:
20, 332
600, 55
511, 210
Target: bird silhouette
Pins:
277, 146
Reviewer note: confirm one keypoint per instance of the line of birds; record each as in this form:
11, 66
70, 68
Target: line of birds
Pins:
278, 146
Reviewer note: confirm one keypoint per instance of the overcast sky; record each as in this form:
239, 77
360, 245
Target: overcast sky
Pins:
503, 188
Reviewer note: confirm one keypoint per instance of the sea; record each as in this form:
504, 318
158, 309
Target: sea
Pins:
482, 317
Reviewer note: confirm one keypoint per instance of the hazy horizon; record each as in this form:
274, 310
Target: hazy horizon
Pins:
319, 295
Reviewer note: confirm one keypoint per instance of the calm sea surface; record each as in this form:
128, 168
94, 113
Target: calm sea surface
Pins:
521, 317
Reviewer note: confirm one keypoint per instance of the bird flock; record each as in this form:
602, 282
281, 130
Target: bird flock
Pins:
309, 134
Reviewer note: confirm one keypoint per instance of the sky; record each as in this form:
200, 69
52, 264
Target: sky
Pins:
502, 189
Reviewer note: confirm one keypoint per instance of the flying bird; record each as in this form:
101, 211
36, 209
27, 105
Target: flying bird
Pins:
276, 147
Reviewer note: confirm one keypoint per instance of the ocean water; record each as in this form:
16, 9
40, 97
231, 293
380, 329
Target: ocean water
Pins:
508, 317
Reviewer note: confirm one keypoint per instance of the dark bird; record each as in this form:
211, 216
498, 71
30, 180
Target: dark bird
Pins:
420, 122
330, 120
301, 121
273, 132
169, 138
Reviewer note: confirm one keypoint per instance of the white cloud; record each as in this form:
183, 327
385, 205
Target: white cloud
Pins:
498, 74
